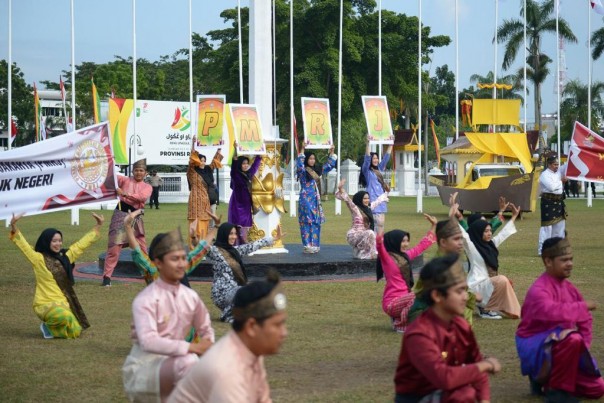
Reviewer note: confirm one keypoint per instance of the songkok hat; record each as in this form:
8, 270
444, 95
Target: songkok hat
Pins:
446, 229
442, 273
555, 247
165, 243
260, 299
140, 164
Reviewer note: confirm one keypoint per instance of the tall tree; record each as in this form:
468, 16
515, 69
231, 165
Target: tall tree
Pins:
22, 104
597, 42
540, 19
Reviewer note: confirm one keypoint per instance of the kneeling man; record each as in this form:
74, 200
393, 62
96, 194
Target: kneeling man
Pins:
164, 313
233, 369
555, 332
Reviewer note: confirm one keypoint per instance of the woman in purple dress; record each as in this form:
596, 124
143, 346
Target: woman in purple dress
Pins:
240, 204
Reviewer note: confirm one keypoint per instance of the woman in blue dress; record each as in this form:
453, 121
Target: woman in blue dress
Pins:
372, 179
310, 212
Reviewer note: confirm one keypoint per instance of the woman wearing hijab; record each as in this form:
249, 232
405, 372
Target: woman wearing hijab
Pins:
310, 211
55, 300
203, 190
372, 179
229, 270
481, 248
394, 263
240, 204
361, 236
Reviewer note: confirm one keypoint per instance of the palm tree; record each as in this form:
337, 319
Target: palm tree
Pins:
597, 41
539, 20
510, 79
574, 106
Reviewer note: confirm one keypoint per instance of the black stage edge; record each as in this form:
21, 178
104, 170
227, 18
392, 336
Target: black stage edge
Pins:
332, 262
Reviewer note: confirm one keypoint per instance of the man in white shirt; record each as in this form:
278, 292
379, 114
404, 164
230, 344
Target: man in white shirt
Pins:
553, 209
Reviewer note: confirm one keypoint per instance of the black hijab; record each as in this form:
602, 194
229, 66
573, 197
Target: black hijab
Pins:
392, 243
222, 241
317, 167
206, 172
43, 247
487, 250
246, 174
357, 199
474, 217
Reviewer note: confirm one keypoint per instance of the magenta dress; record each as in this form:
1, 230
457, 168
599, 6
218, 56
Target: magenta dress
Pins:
240, 204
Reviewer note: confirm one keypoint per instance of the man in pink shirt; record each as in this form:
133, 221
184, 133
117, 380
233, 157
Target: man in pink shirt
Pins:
163, 315
133, 193
555, 331
233, 370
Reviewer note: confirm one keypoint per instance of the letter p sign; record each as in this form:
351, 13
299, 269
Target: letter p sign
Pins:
210, 121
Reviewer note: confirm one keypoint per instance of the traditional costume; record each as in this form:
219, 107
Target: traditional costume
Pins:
240, 204
555, 334
396, 267
137, 195
373, 180
496, 290
310, 211
553, 209
361, 236
229, 270
55, 300
437, 358
203, 192
163, 315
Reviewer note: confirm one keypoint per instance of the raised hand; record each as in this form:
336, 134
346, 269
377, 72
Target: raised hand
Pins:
452, 198
503, 205
515, 211
430, 218
13, 221
129, 219
341, 185
100, 219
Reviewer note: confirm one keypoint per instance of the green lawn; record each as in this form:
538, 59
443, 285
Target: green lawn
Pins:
340, 346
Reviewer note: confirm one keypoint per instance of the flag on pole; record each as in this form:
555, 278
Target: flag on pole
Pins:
13, 130
96, 102
62, 88
597, 6
39, 121
584, 162
436, 144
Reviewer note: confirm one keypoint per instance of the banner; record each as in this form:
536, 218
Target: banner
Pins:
586, 155
65, 171
163, 131
379, 127
317, 123
210, 120
247, 129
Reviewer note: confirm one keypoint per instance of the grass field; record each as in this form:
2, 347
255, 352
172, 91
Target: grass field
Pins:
340, 346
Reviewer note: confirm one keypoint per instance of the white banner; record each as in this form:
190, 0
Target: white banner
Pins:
66, 171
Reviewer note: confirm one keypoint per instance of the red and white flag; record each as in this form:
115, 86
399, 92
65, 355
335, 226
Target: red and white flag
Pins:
597, 6
13, 130
62, 86
586, 155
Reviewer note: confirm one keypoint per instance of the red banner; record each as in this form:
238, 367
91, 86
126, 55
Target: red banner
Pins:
586, 155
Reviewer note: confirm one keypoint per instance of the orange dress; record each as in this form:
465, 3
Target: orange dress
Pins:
199, 201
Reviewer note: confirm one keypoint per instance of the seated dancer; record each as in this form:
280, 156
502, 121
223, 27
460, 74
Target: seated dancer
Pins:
233, 370
240, 204
310, 211
555, 331
133, 193
361, 236
394, 262
440, 360
145, 262
496, 291
203, 195
229, 270
163, 314
372, 179
449, 240
55, 300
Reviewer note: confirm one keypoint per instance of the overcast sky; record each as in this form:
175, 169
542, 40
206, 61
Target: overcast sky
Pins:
41, 34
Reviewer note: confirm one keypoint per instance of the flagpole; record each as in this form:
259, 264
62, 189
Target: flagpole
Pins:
9, 119
338, 203
380, 48
495, 56
558, 75
456, 69
419, 110
292, 157
274, 70
589, 79
73, 97
191, 67
524, 101
240, 52
134, 98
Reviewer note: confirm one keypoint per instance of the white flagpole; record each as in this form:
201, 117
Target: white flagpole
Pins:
9, 123
73, 83
274, 70
456, 69
380, 48
134, 98
495, 56
419, 111
589, 79
558, 75
292, 157
240, 52
191, 68
525, 55
338, 203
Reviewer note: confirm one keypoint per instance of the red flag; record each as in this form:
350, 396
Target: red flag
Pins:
62, 87
13, 130
597, 6
586, 155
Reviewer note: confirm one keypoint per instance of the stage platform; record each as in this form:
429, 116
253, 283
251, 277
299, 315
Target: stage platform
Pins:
332, 262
